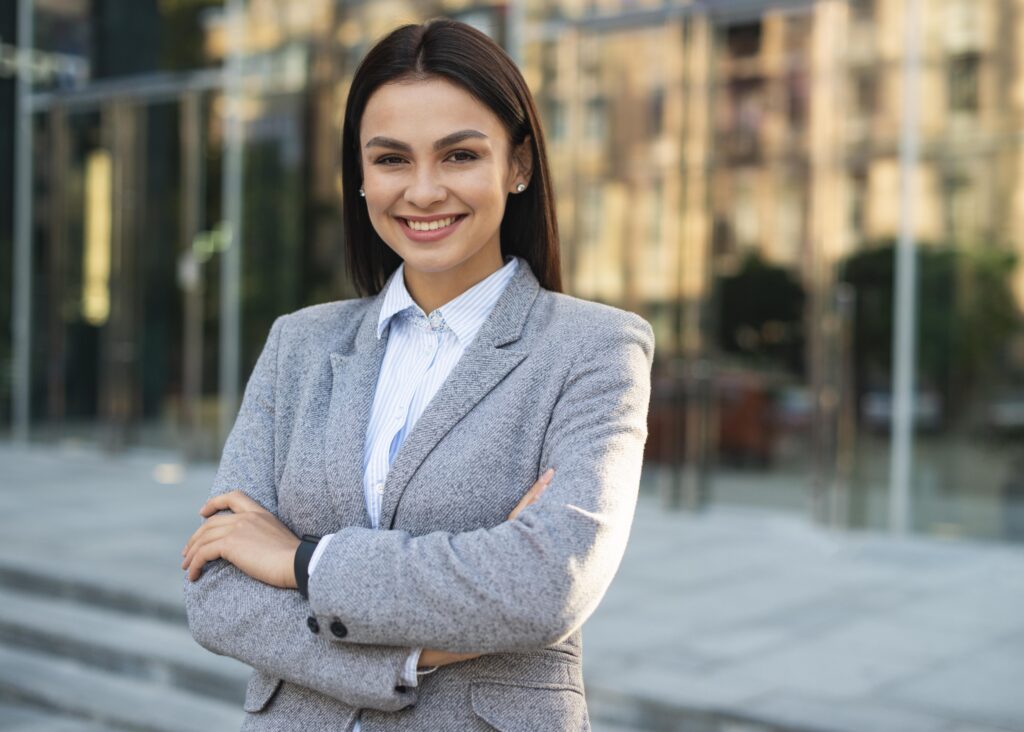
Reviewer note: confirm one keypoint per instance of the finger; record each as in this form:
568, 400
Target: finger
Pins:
205, 553
537, 488
532, 494
229, 501
210, 523
235, 500
216, 534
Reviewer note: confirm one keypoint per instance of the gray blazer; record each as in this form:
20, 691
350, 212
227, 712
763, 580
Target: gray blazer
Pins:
550, 380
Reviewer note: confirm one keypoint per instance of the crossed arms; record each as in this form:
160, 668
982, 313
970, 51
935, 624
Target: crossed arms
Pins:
523, 584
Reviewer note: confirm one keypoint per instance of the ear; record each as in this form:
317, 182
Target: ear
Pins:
522, 162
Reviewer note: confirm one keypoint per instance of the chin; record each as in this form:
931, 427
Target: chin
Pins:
427, 263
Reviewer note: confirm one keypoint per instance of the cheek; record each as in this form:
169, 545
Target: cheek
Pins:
485, 188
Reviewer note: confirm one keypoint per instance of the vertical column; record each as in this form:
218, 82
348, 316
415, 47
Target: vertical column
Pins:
190, 271
120, 395
514, 33
21, 383
695, 263
826, 242
1016, 227
231, 264
905, 300
571, 59
59, 165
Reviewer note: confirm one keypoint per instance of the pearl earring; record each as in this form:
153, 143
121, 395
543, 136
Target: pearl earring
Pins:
520, 188
362, 193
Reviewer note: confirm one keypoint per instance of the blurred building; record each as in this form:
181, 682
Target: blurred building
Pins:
730, 169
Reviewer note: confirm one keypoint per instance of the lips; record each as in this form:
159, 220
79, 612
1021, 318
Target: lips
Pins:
431, 235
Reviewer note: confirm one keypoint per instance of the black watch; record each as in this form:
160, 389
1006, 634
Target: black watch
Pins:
302, 556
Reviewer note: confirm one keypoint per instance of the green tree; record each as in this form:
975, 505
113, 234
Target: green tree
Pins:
966, 313
182, 45
760, 314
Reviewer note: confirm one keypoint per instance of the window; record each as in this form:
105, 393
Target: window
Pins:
595, 120
962, 82
655, 111
743, 41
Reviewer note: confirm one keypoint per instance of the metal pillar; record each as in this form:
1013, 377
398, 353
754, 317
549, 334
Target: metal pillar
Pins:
21, 311
191, 271
231, 263
516, 23
905, 301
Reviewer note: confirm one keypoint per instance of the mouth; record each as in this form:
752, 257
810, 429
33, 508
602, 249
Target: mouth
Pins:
432, 230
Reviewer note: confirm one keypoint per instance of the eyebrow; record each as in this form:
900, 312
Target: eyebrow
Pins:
444, 142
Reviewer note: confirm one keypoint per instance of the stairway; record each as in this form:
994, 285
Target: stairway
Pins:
78, 658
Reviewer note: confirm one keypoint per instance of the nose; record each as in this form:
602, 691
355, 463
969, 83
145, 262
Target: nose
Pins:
424, 190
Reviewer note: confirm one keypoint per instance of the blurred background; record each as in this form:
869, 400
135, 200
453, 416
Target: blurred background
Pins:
819, 205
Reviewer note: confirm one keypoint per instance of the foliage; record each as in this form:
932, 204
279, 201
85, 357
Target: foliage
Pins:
966, 313
760, 314
182, 33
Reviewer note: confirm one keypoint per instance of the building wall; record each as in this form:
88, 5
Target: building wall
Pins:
731, 171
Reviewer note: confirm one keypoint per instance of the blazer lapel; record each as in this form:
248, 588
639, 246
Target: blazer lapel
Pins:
482, 367
354, 382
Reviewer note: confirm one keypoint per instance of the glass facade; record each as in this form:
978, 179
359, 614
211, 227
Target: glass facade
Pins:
736, 172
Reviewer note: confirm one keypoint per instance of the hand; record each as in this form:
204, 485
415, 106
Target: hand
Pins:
250, 537
430, 657
533, 494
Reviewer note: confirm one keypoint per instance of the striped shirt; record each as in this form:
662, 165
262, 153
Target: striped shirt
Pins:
421, 351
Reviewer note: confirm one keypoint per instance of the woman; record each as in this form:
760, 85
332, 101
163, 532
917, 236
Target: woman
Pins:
438, 584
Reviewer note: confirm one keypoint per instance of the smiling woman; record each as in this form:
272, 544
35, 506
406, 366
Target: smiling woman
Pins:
431, 183
428, 489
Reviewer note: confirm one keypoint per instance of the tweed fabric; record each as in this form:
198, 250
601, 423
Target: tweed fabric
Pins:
549, 380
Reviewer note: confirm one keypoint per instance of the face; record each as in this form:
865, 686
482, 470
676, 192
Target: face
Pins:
429, 150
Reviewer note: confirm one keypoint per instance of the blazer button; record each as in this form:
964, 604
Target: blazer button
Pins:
313, 624
401, 689
338, 628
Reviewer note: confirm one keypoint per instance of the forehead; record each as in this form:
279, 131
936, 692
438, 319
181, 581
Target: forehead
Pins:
423, 111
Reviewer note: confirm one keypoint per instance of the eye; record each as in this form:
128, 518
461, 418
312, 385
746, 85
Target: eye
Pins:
383, 160
471, 156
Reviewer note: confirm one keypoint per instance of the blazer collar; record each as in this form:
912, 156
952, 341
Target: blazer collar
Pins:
503, 326
463, 314
482, 366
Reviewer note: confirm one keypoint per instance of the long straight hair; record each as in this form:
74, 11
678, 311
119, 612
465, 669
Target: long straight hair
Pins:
467, 57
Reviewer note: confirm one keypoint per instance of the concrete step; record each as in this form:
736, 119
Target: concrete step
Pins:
140, 646
21, 718
110, 699
613, 711
44, 578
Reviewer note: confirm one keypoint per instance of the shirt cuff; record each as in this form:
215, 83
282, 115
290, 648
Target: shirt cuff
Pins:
409, 675
321, 545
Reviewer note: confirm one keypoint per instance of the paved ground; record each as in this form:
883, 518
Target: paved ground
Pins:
730, 620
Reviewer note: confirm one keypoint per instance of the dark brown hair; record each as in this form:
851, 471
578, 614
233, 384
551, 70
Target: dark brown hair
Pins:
467, 57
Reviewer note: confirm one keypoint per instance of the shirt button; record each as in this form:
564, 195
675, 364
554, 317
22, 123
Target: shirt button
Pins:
379, 489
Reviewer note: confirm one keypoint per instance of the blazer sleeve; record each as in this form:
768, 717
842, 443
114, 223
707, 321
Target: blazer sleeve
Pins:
266, 627
526, 583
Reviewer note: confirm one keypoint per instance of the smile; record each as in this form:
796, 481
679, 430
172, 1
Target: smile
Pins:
431, 231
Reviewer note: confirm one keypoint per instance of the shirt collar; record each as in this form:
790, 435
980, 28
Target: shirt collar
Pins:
464, 315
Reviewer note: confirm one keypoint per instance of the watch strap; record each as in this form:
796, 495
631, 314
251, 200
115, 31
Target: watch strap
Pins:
303, 554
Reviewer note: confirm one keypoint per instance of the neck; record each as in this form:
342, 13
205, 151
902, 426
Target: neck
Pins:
431, 290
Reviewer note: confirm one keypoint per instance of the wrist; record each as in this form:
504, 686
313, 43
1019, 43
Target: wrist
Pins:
300, 563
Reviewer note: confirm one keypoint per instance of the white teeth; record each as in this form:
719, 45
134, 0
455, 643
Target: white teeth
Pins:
430, 226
